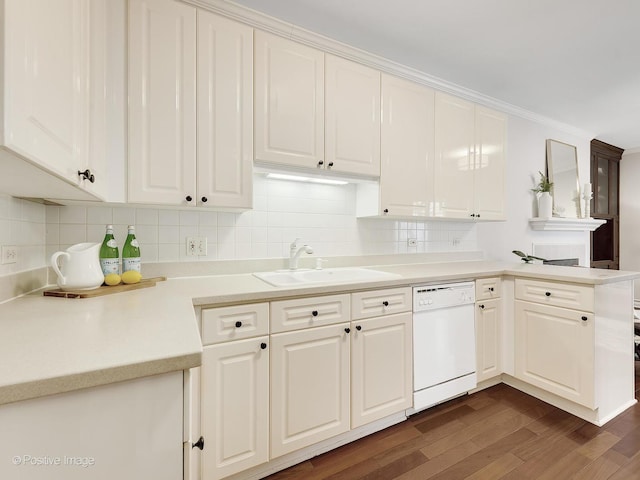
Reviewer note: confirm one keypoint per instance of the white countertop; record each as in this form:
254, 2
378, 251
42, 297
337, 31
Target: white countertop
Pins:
51, 345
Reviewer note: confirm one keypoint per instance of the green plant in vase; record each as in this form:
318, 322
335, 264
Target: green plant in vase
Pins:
543, 191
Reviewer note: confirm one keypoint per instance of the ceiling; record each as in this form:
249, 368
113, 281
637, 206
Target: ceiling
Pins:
574, 61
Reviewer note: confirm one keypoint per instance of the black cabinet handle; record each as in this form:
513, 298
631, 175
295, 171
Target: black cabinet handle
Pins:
87, 175
188, 198
548, 294
238, 324
584, 318
347, 330
386, 210
472, 215
481, 306
478, 215
385, 303
314, 313
358, 327
491, 289
204, 199
263, 345
320, 163
330, 164
199, 444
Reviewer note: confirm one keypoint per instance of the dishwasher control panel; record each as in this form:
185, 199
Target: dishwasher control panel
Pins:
431, 297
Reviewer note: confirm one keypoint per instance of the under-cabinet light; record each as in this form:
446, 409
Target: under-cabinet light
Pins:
298, 178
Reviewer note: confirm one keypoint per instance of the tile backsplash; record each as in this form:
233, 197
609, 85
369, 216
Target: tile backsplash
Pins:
322, 216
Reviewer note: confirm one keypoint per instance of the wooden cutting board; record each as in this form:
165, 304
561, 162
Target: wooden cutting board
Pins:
104, 289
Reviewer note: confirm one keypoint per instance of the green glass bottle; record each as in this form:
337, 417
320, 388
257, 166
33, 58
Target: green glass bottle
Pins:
131, 252
109, 256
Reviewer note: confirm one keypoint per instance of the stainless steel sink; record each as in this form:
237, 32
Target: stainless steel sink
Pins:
286, 278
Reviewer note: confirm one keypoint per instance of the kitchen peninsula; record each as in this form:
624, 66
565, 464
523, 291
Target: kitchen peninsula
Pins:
50, 346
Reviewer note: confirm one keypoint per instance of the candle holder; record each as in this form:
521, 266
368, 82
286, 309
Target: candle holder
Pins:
587, 196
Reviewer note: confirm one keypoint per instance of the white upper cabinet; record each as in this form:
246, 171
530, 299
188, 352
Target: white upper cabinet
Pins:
352, 117
183, 151
289, 102
470, 143
53, 98
406, 176
162, 91
225, 112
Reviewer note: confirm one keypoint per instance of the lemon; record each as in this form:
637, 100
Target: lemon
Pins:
112, 279
131, 276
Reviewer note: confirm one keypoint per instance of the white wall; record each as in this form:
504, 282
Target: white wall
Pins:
525, 157
22, 224
630, 213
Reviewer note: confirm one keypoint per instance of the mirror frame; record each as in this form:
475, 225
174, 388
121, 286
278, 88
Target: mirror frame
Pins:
565, 191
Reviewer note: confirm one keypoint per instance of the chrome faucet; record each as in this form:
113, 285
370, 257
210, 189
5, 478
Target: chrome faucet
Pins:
295, 252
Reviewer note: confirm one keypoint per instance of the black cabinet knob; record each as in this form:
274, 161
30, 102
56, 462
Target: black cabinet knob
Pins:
481, 306
188, 198
385, 303
548, 294
584, 318
386, 210
199, 444
491, 289
320, 163
87, 175
347, 330
478, 215
314, 313
204, 199
358, 327
263, 345
238, 324
472, 215
330, 164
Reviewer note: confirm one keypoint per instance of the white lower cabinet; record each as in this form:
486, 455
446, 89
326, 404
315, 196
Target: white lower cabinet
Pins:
309, 387
235, 406
124, 430
381, 369
488, 328
555, 350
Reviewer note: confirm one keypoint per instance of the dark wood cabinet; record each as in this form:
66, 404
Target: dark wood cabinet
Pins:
605, 180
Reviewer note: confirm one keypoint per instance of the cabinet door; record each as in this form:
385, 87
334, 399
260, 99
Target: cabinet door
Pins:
488, 339
309, 387
352, 117
406, 170
45, 101
381, 369
489, 167
162, 89
235, 406
225, 112
454, 157
554, 350
289, 102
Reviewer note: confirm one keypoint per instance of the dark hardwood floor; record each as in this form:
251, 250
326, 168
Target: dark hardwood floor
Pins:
498, 433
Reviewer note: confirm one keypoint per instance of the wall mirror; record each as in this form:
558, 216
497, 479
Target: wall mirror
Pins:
562, 169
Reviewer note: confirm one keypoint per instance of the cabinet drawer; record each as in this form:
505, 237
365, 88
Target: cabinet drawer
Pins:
380, 302
567, 295
488, 288
233, 323
309, 312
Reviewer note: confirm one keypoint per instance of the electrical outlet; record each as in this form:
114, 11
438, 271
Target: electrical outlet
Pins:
9, 254
196, 246
412, 242
455, 242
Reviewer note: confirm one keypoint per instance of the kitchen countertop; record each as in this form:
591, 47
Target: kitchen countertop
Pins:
52, 345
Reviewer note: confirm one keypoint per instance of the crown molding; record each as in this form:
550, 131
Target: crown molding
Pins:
293, 32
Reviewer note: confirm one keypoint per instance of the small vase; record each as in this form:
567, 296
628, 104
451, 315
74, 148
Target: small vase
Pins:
545, 205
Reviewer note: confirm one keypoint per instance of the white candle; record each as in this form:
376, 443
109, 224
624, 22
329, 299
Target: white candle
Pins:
587, 190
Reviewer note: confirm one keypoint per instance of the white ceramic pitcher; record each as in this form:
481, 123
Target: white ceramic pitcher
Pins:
79, 267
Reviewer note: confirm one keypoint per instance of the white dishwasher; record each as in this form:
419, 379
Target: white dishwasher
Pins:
444, 343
